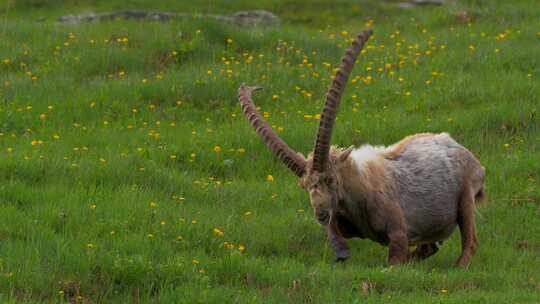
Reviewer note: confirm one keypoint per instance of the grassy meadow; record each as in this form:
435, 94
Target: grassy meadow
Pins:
129, 175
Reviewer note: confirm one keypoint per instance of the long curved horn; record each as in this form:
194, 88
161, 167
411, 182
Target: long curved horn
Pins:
290, 158
333, 97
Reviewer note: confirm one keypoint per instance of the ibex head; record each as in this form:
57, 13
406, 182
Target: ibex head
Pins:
318, 173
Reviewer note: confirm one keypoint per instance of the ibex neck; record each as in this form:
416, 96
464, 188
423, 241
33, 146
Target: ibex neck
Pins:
362, 156
365, 172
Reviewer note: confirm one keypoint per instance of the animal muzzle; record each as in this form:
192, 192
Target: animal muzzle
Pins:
322, 216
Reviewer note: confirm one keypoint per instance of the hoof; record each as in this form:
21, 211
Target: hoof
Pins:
342, 256
463, 263
341, 259
394, 261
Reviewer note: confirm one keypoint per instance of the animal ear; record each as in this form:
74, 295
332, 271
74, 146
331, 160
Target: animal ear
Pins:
343, 156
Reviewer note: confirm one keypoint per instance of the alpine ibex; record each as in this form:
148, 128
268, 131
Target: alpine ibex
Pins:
411, 193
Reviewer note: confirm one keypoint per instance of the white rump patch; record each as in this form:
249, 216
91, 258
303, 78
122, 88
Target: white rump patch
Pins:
365, 154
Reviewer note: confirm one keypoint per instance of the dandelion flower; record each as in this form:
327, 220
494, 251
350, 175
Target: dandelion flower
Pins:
217, 232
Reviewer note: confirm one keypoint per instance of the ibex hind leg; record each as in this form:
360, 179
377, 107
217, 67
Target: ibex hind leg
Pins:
469, 241
424, 251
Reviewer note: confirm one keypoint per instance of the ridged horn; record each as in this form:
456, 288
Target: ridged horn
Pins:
279, 148
333, 97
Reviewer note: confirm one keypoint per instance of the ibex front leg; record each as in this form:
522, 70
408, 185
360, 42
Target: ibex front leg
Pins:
397, 248
337, 241
387, 219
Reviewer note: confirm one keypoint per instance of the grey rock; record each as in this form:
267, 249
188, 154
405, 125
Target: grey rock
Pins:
242, 18
258, 17
414, 3
428, 2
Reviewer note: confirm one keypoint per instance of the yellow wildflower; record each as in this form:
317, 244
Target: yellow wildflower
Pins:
217, 232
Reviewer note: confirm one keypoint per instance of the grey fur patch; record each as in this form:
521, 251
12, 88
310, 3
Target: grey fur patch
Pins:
429, 182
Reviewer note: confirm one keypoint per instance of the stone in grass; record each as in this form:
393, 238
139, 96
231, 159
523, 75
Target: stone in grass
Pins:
242, 18
413, 3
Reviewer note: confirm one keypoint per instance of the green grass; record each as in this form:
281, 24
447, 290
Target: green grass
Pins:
120, 153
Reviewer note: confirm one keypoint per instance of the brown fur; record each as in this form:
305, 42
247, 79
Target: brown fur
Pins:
337, 240
386, 224
473, 187
469, 241
398, 148
374, 189
408, 194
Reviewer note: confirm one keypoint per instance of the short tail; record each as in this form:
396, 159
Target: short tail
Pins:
480, 195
